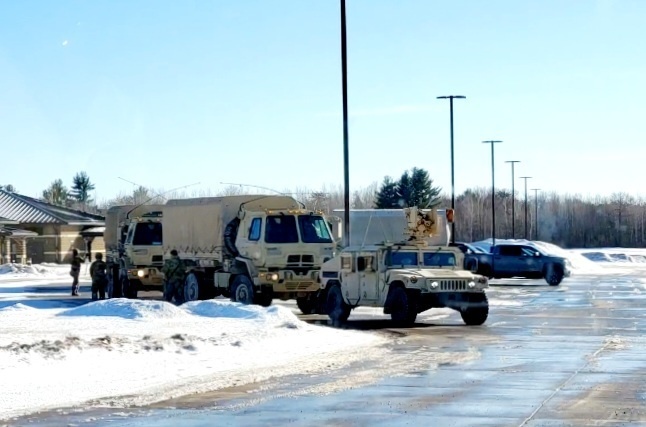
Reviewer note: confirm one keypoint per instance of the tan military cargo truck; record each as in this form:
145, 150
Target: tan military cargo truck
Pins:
405, 277
251, 248
134, 252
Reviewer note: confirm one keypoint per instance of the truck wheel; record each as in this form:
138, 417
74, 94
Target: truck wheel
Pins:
336, 308
242, 290
306, 304
476, 311
191, 288
553, 275
403, 310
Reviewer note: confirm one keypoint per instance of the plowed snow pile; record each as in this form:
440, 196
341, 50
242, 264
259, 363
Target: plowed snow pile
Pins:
122, 351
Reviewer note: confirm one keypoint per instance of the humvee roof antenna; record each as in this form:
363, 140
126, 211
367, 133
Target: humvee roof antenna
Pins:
156, 195
264, 188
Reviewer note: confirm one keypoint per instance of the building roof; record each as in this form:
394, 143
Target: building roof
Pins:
26, 210
16, 232
6, 221
93, 232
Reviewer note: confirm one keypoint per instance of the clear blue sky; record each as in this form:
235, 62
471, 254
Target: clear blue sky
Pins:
167, 93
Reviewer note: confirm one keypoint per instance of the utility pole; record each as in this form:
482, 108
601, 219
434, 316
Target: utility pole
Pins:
513, 199
450, 98
493, 192
536, 190
525, 178
346, 161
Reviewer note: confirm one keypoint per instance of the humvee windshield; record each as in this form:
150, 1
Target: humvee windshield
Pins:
282, 229
429, 259
148, 234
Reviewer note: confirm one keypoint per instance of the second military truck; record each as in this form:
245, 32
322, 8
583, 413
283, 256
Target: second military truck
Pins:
251, 248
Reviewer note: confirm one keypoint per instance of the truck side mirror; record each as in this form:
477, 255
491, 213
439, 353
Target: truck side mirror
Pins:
537, 254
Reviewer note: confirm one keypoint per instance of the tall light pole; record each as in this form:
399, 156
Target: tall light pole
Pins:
536, 190
513, 199
451, 98
493, 192
525, 178
346, 168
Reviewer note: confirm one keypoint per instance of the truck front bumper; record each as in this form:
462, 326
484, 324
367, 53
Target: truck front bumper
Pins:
289, 281
148, 276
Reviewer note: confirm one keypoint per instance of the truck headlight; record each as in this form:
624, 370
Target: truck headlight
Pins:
141, 273
272, 276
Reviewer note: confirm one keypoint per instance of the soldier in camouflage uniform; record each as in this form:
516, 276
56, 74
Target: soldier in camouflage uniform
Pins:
75, 271
174, 270
99, 277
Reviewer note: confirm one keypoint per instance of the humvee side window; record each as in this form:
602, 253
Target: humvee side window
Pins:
346, 263
254, 229
364, 263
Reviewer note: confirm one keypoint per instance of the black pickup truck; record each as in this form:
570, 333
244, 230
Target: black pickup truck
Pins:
524, 261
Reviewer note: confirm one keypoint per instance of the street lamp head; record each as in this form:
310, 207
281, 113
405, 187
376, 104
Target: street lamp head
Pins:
512, 161
452, 96
490, 142
525, 177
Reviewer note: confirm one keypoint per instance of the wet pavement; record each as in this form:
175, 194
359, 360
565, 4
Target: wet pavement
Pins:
572, 355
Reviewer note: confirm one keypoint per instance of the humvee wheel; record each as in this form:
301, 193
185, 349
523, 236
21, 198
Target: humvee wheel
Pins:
191, 288
477, 309
403, 311
553, 275
242, 290
336, 308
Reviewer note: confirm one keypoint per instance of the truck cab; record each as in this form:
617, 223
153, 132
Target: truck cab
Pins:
405, 278
143, 253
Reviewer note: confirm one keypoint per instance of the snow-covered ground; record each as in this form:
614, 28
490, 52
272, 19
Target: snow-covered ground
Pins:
121, 352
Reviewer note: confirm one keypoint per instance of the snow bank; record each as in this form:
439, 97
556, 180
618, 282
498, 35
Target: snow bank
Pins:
38, 271
129, 352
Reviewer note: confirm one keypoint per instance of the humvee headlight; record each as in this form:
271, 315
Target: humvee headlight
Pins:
434, 285
413, 279
472, 284
141, 273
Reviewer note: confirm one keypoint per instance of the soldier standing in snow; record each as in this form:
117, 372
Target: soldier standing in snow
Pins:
99, 277
75, 271
174, 270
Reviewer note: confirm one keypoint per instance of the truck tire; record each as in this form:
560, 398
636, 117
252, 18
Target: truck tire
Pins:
553, 275
230, 234
477, 309
242, 291
403, 310
337, 310
307, 305
191, 288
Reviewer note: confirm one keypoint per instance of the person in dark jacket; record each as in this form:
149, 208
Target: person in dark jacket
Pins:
174, 271
75, 271
98, 271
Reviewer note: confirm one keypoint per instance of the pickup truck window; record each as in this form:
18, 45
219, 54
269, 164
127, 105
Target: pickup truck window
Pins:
510, 250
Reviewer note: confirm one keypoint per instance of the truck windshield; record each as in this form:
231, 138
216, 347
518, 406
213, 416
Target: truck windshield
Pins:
403, 258
314, 229
281, 229
148, 234
439, 259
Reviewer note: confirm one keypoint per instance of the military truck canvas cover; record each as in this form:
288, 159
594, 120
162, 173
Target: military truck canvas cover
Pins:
374, 226
195, 227
116, 215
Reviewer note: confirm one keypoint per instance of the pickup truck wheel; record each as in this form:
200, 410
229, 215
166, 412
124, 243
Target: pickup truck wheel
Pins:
403, 311
242, 290
336, 308
476, 311
553, 275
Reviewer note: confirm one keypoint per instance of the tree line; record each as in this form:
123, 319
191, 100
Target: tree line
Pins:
565, 220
